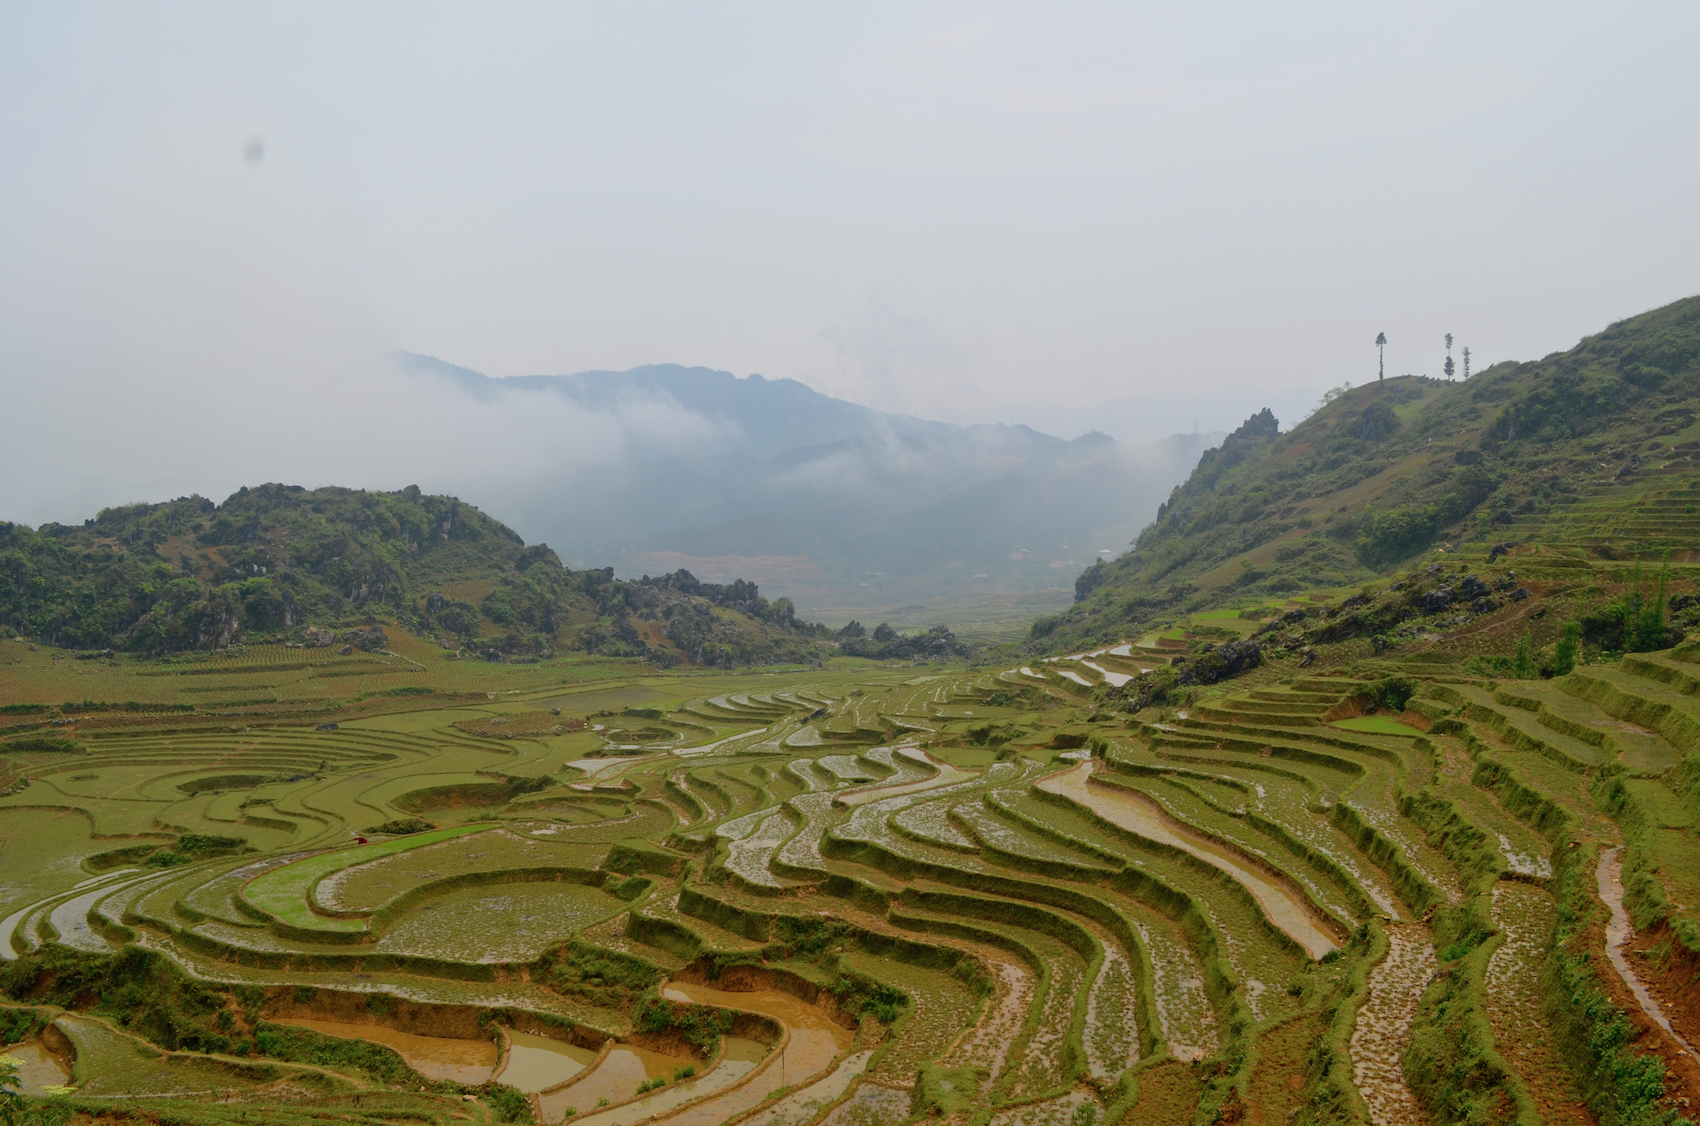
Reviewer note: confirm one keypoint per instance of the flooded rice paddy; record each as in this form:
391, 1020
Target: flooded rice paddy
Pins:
614, 1080
1133, 813
537, 1062
833, 821
1609, 878
1383, 1028
738, 1057
506, 923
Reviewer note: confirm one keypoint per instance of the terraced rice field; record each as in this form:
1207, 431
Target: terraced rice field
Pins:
860, 897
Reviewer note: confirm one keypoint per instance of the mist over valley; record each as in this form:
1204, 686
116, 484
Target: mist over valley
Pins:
852, 512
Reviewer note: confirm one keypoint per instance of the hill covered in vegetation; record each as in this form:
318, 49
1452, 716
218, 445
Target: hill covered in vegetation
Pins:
333, 566
1587, 450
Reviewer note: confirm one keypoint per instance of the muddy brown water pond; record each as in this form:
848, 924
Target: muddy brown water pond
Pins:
536, 1062
815, 1042
738, 1057
38, 1068
434, 1057
615, 1079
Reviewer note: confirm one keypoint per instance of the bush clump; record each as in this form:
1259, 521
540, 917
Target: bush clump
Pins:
401, 827
701, 1025
41, 743
1393, 692
581, 970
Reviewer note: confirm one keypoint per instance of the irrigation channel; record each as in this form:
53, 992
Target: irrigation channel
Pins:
860, 897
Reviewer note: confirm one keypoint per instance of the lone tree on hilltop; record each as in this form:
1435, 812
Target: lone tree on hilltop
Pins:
1449, 369
1466, 364
1381, 346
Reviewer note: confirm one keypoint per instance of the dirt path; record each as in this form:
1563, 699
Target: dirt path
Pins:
1384, 1027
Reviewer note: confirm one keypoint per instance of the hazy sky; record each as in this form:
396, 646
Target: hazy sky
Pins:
210, 215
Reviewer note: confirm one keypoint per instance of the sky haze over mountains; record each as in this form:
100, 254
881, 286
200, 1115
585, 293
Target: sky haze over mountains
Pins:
934, 210
215, 218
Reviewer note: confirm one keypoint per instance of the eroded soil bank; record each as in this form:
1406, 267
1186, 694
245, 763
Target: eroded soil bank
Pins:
448, 1042
749, 980
454, 1022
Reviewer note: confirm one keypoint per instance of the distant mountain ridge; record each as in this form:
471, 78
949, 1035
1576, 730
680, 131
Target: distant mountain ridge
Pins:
775, 415
774, 468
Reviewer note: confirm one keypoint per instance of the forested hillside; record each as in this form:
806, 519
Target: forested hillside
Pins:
1558, 450
326, 566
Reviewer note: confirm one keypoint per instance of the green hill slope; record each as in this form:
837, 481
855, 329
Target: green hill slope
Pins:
285, 563
1592, 451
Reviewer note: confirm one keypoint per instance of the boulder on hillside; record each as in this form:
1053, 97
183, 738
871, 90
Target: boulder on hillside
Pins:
1378, 422
1437, 600
1472, 588
1224, 661
1239, 656
370, 640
